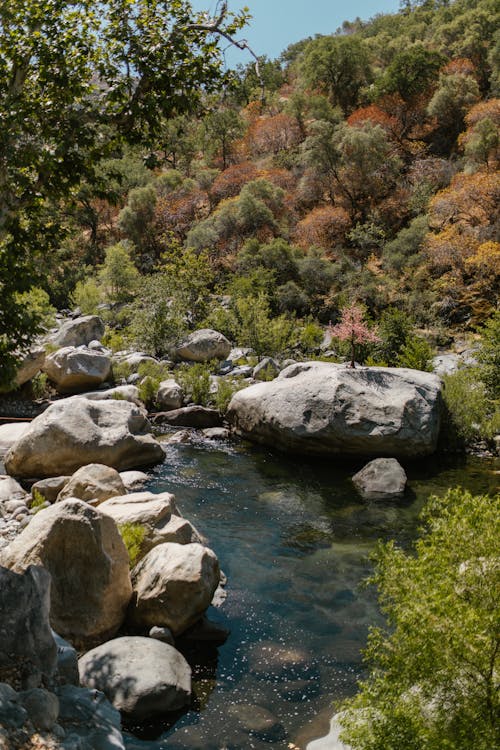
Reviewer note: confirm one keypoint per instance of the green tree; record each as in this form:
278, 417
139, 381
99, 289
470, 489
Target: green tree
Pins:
433, 680
489, 355
136, 221
118, 275
411, 72
340, 66
220, 129
77, 79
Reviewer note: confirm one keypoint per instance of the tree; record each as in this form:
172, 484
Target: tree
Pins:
118, 275
338, 65
434, 669
220, 129
353, 329
76, 81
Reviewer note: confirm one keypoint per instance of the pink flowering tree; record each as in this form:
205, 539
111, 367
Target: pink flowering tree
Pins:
353, 329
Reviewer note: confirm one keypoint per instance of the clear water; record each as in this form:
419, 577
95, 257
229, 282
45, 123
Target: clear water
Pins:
294, 540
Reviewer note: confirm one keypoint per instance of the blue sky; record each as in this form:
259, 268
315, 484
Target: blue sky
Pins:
278, 23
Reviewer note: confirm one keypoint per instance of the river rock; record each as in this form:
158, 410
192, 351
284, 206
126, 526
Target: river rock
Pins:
11, 493
89, 564
169, 395
75, 369
258, 722
88, 719
317, 408
30, 365
173, 586
49, 488
272, 661
267, 369
133, 480
119, 392
157, 514
10, 434
189, 416
142, 677
42, 707
332, 740
75, 432
93, 483
27, 649
67, 661
381, 478
78, 332
202, 346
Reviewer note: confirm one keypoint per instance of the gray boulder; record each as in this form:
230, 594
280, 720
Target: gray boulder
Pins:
133, 480
267, 369
169, 395
78, 332
89, 720
30, 365
119, 392
93, 483
27, 648
156, 514
381, 478
318, 408
74, 432
89, 564
67, 661
49, 488
42, 707
189, 416
173, 586
142, 677
11, 495
10, 434
74, 370
202, 346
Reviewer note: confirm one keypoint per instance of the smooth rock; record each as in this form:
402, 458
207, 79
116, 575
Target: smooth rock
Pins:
332, 739
75, 369
169, 395
173, 586
273, 661
317, 408
133, 480
240, 355
157, 514
189, 416
89, 564
74, 432
118, 393
93, 483
42, 707
78, 332
216, 433
30, 365
10, 434
202, 346
89, 720
27, 648
67, 661
11, 492
258, 722
266, 370
142, 677
162, 634
50, 488
381, 478
135, 359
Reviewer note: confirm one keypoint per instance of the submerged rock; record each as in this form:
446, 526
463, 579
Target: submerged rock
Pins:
142, 677
381, 478
74, 432
318, 408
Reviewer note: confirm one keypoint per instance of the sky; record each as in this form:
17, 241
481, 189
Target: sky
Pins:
278, 23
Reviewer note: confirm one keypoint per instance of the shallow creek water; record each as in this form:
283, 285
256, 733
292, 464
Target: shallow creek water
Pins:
294, 540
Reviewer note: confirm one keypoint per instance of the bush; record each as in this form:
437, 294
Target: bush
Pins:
195, 381
416, 354
133, 537
434, 668
489, 356
37, 304
148, 389
471, 414
87, 296
225, 391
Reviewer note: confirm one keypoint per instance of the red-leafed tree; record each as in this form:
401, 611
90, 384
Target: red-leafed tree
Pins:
352, 328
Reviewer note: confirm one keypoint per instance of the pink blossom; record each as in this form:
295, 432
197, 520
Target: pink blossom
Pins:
352, 328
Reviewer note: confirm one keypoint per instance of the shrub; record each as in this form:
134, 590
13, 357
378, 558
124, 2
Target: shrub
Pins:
416, 353
195, 381
39, 387
225, 391
148, 389
37, 304
434, 667
87, 296
471, 415
38, 501
133, 537
489, 356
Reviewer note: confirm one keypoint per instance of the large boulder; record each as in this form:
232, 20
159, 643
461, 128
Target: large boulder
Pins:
79, 331
156, 514
28, 651
169, 395
74, 432
30, 365
10, 433
142, 677
93, 483
173, 586
74, 370
318, 408
195, 416
119, 392
382, 478
203, 345
88, 719
89, 564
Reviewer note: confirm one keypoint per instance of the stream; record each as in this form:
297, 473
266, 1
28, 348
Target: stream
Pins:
294, 539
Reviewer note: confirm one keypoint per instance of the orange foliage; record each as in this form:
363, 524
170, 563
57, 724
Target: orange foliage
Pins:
229, 183
376, 116
489, 108
177, 211
471, 199
323, 227
270, 135
460, 66
486, 260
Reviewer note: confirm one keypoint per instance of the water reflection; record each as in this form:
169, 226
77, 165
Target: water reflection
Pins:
295, 540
